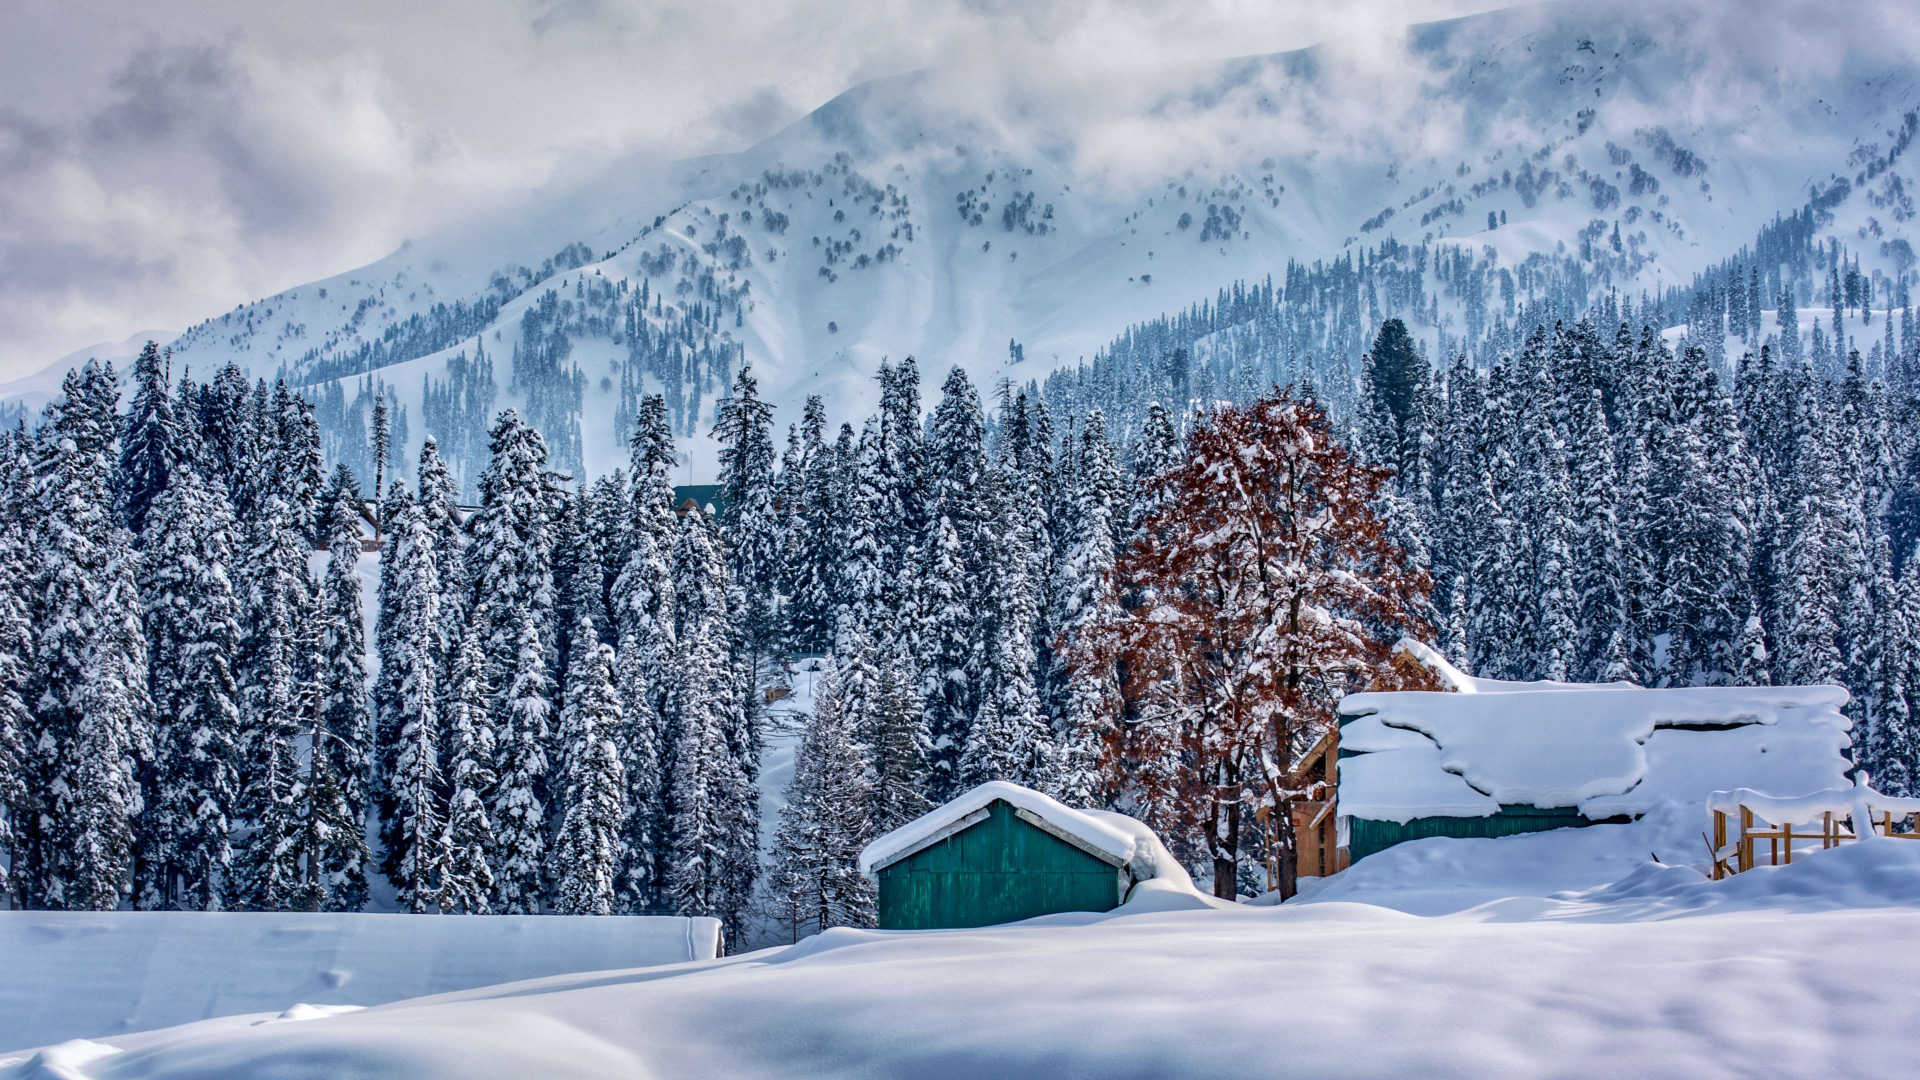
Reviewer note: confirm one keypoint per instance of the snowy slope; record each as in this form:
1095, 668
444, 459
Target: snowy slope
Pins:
1782, 972
1303, 155
89, 974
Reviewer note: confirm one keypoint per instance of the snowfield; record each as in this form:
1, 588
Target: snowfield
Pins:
1657, 972
72, 974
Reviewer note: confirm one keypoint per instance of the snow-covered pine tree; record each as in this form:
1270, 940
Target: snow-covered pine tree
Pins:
413, 820
340, 749
380, 439
510, 567
641, 742
519, 799
1542, 508
826, 820
1597, 556
16, 655
743, 426
586, 854
1084, 603
643, 609
1750, 653
94, 828
273, 665
1156, 451
703, 777
1888, 751
896, 744
1009, 738
438, 501
192, 623
70, 545
960, 552
469, 848
813, 597
863, 585
150, 441
904, 439
576, 581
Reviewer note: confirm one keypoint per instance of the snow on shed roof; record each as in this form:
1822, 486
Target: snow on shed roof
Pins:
1110, 834
1606, 750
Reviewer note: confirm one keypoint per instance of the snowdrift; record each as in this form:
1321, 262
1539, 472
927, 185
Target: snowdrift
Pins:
85, 975
1664, 976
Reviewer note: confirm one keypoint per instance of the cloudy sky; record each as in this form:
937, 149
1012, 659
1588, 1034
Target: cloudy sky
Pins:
160, 163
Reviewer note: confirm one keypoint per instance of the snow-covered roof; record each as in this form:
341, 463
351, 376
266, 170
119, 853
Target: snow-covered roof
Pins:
1121, 839
1605, 750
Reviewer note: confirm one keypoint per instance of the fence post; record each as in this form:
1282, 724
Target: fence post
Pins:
1719, 844
1746, 842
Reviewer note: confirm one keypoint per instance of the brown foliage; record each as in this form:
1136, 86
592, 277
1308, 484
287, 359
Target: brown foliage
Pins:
1264, 589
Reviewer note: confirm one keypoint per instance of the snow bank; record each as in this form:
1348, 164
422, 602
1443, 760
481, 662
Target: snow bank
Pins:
74, 975
1607, 750
1121, 837
1664, 979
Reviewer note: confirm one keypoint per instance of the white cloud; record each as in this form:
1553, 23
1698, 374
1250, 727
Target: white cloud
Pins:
162, 163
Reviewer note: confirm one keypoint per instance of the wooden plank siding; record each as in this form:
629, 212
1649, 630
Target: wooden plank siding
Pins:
1365, 836
1000, 869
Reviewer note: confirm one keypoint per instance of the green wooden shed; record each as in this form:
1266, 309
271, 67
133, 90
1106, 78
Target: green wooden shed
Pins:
1002, 853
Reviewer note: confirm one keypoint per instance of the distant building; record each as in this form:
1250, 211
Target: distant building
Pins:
1490, 758
1001, 853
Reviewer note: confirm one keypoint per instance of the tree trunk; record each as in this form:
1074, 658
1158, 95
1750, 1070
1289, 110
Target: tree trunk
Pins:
1225, 873
1226, 851
1286, 852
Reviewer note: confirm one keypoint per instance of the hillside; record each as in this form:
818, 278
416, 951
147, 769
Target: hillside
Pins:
954, 213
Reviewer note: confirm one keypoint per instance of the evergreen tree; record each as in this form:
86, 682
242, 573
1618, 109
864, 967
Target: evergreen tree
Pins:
744, 428
510, 566
469, 847
94, 830
704, 778
640, 740
586, 853
71, 547
192, 623
825, 821
1009, 738
1084, 603
519, 801
150, 447
273, 667
413, 818
812, 596
16, 661
341, 743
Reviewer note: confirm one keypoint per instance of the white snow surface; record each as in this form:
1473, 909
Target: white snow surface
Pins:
1116, 834
92, 974
1568, 954
1607, 750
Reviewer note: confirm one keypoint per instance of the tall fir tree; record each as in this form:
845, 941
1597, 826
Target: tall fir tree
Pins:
469, 848
587, 850
192, 623
519, 800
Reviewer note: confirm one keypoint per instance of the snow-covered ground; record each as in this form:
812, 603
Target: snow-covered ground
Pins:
1558, 954
75, 974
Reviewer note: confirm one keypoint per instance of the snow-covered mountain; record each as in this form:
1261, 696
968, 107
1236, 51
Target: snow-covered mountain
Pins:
952, 213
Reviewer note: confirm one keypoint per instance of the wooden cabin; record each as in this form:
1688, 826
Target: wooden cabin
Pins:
1002, 853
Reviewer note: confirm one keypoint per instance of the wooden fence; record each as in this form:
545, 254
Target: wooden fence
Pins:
1796, 825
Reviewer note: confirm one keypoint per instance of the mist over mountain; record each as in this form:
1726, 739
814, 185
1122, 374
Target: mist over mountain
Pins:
1015, 220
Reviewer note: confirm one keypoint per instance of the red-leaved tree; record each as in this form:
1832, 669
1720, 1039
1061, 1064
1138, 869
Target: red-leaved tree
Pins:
1264, 588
